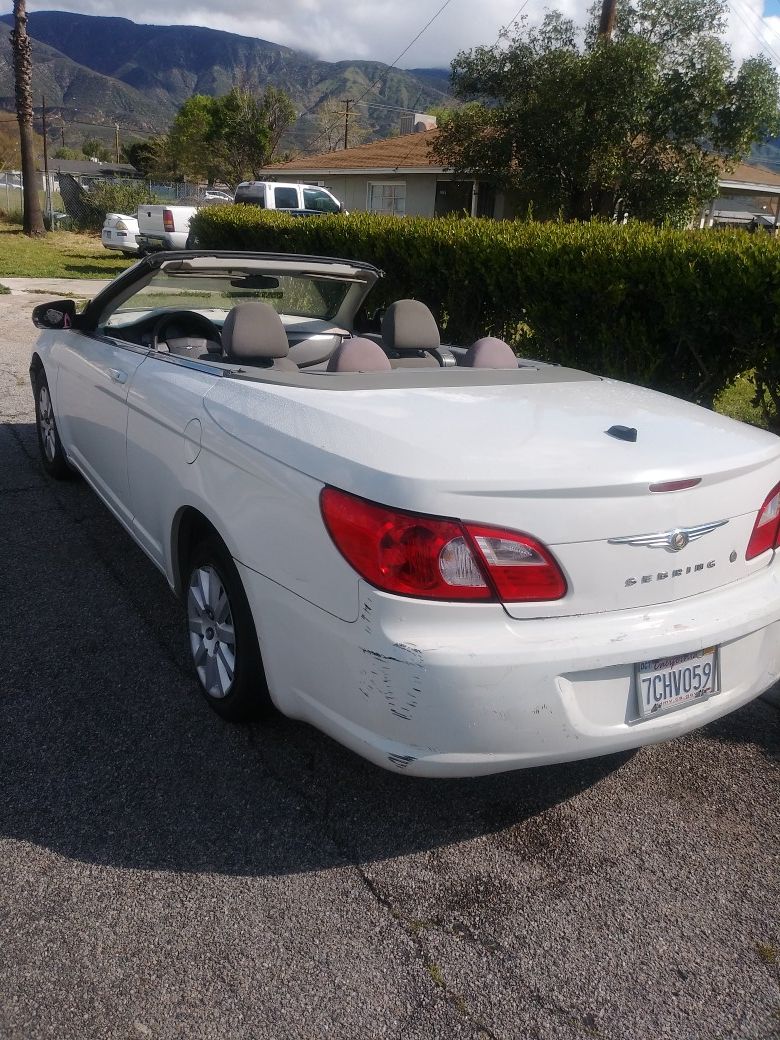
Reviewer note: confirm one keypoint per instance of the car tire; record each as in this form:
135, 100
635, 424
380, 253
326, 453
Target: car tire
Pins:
52, 456
222, 637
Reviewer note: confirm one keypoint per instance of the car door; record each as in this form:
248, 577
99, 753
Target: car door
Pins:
94, 376
163, 441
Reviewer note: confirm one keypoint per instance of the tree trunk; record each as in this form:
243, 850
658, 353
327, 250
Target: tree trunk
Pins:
22, 52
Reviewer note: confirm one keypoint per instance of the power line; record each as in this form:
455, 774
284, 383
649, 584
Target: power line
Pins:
762, 43
387, 69
500, 34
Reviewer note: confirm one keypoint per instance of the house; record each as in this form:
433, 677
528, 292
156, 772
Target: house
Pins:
749, 196
398, 175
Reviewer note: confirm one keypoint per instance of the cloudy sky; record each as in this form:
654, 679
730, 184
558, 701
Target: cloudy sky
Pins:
380, 29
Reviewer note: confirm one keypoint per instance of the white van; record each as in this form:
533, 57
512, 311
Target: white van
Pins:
306, 199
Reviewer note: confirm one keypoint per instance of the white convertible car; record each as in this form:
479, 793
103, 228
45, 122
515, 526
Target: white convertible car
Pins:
453, 561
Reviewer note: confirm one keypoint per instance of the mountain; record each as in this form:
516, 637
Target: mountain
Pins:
114, 70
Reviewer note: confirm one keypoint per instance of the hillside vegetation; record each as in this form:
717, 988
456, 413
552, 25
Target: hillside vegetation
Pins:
140, 74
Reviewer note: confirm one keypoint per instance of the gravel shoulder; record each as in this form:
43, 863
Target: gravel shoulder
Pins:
164, 874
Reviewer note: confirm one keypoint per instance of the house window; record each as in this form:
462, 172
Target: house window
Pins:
387, 197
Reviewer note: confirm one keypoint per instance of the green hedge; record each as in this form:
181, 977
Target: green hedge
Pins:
682, 311
106, 197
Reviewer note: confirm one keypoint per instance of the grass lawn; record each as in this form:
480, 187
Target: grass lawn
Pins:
59, 254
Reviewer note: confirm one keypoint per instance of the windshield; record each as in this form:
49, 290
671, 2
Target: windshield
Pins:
299, 295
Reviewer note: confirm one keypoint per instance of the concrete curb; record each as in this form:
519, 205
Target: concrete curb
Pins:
58, 287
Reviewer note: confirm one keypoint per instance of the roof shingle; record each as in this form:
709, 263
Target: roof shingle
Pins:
411, 151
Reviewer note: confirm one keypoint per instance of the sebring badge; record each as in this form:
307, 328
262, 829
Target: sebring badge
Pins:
672, 541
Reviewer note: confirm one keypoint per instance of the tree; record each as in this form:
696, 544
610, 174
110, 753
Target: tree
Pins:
152, 157
67, 153
581, 125
22, 55
229, 138
331, 118
93, 148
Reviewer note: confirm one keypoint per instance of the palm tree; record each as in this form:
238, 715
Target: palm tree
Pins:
22, 51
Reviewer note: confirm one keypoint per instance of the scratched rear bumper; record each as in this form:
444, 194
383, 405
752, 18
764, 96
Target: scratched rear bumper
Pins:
460, 689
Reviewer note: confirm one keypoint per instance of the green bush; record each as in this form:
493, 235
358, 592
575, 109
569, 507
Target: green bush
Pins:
680, 311
106, 197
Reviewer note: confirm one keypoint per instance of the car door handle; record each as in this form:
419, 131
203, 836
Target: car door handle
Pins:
118, 375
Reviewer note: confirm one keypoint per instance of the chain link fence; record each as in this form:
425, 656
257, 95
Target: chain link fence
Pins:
82, 200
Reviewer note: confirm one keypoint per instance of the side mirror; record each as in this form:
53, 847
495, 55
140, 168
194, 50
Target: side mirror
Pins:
60, 314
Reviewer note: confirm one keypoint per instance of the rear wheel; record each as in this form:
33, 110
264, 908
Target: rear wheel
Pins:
52, 455
222, 637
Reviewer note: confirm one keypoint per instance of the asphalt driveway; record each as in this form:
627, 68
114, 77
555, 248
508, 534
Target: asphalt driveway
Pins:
165, 874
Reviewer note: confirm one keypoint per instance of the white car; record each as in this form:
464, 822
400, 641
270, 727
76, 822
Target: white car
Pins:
120, 231
453, 569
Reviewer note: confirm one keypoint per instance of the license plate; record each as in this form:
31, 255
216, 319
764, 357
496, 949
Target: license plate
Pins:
670, 682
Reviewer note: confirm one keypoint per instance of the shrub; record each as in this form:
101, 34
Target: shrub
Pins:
106, 197
680, 311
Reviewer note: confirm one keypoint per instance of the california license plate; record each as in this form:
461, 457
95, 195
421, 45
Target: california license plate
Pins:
670, 682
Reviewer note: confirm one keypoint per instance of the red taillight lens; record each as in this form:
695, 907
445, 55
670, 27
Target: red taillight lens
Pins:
435, 558
766, 529
168, 224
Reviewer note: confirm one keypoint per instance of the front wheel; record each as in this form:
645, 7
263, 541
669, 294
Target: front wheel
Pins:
52, 455
222, 637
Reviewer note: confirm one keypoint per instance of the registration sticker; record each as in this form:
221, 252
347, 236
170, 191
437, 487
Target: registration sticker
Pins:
670, 682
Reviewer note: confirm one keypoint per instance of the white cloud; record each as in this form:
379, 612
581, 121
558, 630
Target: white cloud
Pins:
380, 30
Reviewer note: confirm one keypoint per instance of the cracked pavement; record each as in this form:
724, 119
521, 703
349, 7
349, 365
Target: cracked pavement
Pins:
165, 874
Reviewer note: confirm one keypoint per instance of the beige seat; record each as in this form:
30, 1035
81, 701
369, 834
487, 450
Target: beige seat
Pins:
253, 334
410, 335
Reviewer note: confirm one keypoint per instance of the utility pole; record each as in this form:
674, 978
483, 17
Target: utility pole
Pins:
47, 196
347, 103
607, 20
62, 134
116, 142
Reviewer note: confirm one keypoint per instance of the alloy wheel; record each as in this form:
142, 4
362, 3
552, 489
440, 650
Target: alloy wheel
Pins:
211, 631
46, 420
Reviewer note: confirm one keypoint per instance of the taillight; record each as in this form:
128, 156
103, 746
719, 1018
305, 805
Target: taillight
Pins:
168, 224
436, 558
120, 225
766, 529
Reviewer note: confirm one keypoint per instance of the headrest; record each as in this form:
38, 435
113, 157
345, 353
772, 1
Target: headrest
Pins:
254, 330
409, 325
490, 353
358, 355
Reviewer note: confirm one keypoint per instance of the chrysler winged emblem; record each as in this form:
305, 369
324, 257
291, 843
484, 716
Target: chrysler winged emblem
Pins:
672, 541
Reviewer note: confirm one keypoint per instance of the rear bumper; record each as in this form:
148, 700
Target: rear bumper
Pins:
150, 242
120, 240
463, 690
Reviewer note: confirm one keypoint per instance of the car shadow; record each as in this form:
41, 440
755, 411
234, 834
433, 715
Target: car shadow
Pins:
108, 754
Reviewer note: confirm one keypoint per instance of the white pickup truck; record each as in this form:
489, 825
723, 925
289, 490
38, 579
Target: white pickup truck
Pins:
163, 227
168, 227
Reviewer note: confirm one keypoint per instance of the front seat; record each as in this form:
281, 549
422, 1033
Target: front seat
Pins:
490, 353
253, 334
410, 335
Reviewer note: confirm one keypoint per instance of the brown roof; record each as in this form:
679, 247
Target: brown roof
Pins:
747, 173
411, 151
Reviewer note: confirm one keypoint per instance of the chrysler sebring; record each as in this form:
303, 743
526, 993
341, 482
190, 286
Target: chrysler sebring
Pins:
452, 560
